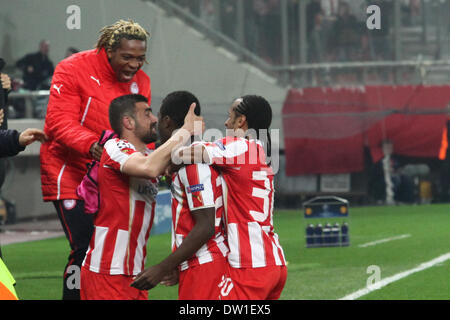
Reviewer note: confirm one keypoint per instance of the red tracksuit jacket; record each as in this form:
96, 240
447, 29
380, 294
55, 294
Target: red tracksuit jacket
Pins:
82, 88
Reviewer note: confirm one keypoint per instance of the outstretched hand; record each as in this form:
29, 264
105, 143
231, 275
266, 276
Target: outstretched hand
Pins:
31, 135
149, 278
193, 123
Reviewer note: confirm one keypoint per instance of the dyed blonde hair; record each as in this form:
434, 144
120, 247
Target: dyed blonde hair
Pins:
110, 36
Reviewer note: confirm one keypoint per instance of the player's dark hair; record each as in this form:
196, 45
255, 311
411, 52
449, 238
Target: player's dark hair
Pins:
258, 114
123, 106
176, 105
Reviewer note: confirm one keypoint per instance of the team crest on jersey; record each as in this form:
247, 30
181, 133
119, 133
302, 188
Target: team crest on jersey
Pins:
69, 204
125, 146
196, 188
134, 88
127, 151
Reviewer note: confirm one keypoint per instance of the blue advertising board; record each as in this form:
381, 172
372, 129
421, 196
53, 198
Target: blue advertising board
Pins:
328, 234
162, 222
326, 207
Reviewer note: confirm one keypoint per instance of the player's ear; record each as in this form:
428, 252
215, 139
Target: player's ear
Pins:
165, 121
128, 122
169, 124
241, 121
109, 53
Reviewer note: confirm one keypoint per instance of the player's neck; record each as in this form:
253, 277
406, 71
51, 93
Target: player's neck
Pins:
136, 142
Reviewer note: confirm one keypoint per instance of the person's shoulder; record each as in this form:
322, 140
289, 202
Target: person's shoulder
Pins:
141, 82
77, 61
34, 55
119, 145
28, 57
82, 56
231, 139
142, 76
117, 142
194, 172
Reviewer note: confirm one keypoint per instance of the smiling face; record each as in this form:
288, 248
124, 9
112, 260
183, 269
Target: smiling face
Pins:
235, 121
127, 59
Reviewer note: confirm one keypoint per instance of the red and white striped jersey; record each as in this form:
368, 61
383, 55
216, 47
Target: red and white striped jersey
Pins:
125, 217
248, 192
195, 187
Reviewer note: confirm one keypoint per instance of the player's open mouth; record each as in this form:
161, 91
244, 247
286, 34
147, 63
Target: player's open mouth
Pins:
128, 75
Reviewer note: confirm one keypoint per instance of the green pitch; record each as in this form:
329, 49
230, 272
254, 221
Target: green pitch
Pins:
315, 273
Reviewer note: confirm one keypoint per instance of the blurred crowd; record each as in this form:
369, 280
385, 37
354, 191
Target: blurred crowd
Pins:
335, 29
32, 72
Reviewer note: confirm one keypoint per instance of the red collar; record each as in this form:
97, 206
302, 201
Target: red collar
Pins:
105, 67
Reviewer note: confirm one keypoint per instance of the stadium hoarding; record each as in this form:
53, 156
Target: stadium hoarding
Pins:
327, 129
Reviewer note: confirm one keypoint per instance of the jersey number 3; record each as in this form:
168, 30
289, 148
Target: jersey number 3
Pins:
262, 193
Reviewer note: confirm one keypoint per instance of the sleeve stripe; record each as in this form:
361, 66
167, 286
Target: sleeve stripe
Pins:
197, 176
204, 172
229, 154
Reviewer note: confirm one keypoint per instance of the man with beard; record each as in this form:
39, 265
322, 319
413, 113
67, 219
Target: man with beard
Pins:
82, 89
128, 185
256, 262
199, 247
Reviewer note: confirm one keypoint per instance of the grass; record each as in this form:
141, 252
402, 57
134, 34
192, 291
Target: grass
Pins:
314, 273
430, 284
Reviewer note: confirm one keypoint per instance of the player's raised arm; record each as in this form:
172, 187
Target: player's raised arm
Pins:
196, 153
155, 164
227, 151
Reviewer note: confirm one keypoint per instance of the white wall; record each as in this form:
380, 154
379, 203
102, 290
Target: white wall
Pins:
180, 57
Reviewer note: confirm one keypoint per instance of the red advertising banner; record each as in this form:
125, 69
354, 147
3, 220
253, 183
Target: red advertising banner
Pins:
326, 129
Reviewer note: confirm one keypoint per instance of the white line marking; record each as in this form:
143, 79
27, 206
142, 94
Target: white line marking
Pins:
396, 277
374, 243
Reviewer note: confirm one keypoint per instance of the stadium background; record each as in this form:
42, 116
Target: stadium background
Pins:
220, 50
